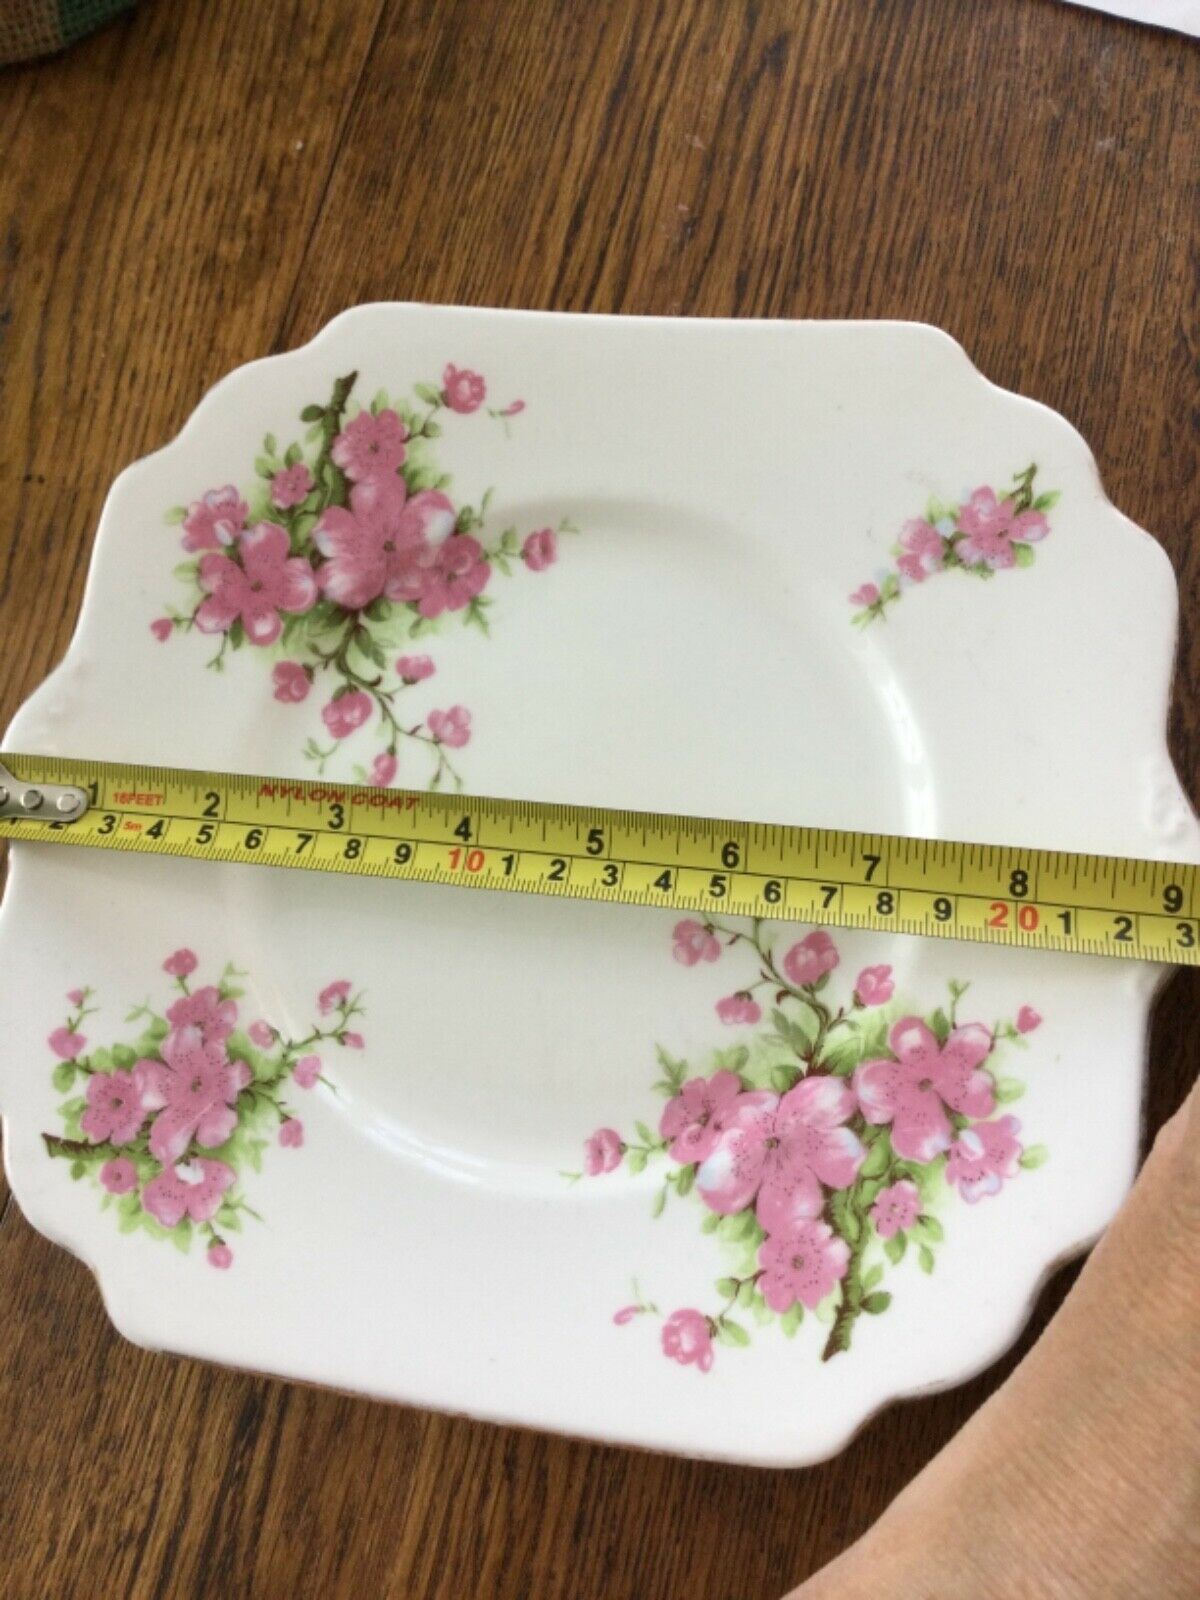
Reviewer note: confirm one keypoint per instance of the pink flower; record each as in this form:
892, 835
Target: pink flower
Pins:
114, 1108
377, 546
290, 485
462, 389
216, 519
291, 1133
269, 580
76, 996
193, 1089
913, 1091
181, 963
803, 1263
370, 446
807, 962
353, 1041
867, 594
690, 1120
332, 995
693, 942
451, 728
514, 408
306, 1071
1028, 1019
687, 1338
992, 526
162, 628
66, 1044
983, 1156
602, 1152
922, 550
261, 1034
118, 1176
383, 770
735, 1008
214, 1018
414, 669
780, 1152
191, 1189
896, 1207
219, 1255
346, 713
291, 681
446, 576
626, 1314
540, 550
874, 986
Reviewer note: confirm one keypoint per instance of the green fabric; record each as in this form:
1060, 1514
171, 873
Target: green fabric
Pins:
31, 28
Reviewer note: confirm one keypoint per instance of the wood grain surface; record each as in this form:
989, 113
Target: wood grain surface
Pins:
206, 182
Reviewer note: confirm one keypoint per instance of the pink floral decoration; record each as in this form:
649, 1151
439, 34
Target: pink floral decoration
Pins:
291, 681
119, 1176
215, 520
219, 1255
625, 1315
896, 1208
332, 996
370, 446
269, 581
306, 1071
982, 1157
65, 1044
739, 1008
691, 1120
446, 576
214, 1018
781, 1150
922, 547
114, 1108
874, 986
162, 628
347, 713
415, 669
804, 1263
291, 1133
261, 1034
540, 550
867, 594
353, 1041
463, 391
193, 1089
379, 544
190, 1189
451, 728
1028, 1019
602, 1152
807, 962
914, 1091
991, 526
687, 1338
181, 963
290, 486
693, 942
383, 770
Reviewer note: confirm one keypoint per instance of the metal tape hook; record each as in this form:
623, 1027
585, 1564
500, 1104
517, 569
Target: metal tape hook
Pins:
57, 802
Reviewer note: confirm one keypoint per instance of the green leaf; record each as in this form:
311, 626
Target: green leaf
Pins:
379, 610
842, 1058
1048, 500
427, 392
313, 414
783, 1077
636, 1160
660, 1202
379, 402
292, 455
1024, 554
1036, 1156
732, 1059
644, 1134
123, 1056
845, 1218
878, 1160
791, 1320
673, 1066
63, 1076
792, 1031
685, 1180
1008, 1090
929, 1228
237, 634
78, 1168
270, 445
312, 434
925, 1258
738, 1226
871, 1278
174, 515
895, 1247
875, 1303
745, 1297
940, 1023
726, 1288
711, 1223
265, 467
181, 1236
101, 1059
732, 1333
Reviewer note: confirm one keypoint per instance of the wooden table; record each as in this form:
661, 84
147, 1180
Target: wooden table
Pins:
207, 182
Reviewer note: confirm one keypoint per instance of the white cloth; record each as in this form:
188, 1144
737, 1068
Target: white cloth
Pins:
1183, 15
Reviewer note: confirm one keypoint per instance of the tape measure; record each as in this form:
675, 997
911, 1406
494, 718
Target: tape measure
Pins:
1040, 899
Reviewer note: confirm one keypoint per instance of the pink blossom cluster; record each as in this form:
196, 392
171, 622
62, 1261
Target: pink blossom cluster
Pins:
785, 1156
156, 1118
